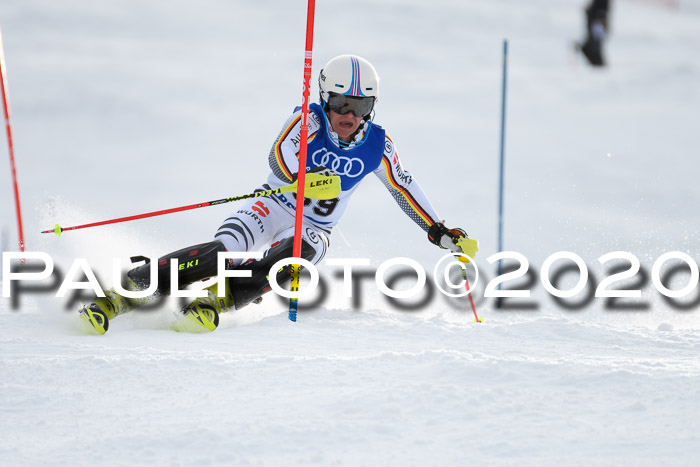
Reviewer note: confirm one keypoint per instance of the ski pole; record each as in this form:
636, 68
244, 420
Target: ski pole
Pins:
465, 259
317, 187
471, 299
469, 294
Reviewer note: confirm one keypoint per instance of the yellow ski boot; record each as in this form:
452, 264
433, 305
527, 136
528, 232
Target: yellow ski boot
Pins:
98, 313
202, 315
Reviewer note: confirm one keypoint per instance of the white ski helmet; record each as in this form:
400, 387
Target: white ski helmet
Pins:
350, 76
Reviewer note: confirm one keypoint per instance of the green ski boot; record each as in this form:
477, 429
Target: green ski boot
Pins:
98, 313
202, 315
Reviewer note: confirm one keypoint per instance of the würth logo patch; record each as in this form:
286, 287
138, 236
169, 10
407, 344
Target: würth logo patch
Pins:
261, 209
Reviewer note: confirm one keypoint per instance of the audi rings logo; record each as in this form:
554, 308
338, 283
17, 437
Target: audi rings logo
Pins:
341, 165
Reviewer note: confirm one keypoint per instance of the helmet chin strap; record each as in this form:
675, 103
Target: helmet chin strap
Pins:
361, 133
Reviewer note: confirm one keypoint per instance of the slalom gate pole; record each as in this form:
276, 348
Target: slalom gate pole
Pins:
502, 162
330, 188
301, 173
13, 170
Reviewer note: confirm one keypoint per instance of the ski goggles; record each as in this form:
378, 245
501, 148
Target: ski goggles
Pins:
341, 104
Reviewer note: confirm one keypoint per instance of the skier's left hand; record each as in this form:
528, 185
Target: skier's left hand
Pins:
455, 240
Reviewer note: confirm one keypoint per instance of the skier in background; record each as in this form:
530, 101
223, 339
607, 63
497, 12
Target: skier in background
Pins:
596, 31
343, 140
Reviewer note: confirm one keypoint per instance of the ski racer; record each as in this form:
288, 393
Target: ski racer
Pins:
343, 140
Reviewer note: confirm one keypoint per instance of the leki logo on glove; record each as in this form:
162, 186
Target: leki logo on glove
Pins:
341, 165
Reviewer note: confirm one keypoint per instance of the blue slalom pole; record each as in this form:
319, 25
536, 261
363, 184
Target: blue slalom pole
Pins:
502, 164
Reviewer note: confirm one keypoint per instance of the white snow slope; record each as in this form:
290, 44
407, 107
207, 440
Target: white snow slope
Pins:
125, 107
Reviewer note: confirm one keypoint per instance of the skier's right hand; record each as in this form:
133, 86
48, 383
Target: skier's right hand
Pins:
325, 171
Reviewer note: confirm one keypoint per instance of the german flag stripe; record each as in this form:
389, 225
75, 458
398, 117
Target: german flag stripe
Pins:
278, 153
407, 196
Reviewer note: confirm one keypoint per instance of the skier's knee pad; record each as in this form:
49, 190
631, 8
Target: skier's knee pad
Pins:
247, 289
194, 264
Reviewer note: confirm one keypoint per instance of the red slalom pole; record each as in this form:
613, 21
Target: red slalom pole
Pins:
13, 171
301, 173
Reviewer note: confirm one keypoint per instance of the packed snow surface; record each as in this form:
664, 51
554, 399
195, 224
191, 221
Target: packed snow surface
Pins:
127, 107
